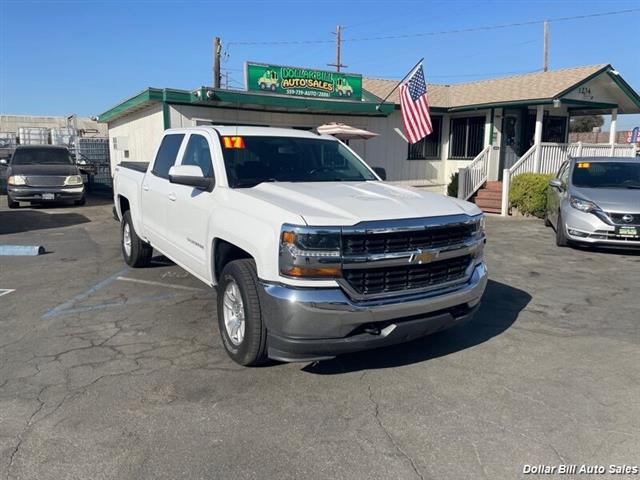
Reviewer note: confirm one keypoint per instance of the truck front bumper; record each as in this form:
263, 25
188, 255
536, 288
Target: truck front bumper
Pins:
306, 324
43, 194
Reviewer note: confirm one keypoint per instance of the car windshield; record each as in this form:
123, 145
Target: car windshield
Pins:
606, 174
41, 156
253, 160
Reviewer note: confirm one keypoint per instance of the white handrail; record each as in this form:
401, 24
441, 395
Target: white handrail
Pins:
473, 176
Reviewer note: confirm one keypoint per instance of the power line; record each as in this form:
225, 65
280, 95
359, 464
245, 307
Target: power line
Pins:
444, 32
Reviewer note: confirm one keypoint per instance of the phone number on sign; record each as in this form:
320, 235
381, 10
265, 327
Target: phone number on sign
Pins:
307, 93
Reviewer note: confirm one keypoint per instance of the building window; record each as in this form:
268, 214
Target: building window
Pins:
554, 129
467, 137
429, 147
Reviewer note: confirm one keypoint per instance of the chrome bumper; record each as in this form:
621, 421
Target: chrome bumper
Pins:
309, 324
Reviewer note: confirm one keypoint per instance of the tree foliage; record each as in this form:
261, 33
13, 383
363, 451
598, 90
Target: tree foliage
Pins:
585, 123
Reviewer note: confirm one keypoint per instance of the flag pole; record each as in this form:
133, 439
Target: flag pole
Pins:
399, 83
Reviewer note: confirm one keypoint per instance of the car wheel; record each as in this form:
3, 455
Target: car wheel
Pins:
547, 223
240, 321
135, 251
82, 201
263, 86
273, 88
561, 236
11, 203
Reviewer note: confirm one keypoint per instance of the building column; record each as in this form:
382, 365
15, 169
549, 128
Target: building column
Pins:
537, 137
612, 129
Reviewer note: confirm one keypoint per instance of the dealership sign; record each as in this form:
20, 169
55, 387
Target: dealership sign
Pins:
304, 82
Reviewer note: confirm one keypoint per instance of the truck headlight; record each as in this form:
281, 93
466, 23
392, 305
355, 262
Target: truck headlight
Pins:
17, 180
308, 252
478, 228
583, 205
73, 180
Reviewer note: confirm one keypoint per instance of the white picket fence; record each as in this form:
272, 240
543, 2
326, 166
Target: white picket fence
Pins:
473, 176
547, 158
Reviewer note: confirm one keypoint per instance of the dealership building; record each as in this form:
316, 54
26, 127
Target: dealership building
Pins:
483, 126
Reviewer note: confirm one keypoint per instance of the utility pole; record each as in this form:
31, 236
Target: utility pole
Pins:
545, 64
217, 48
338, 65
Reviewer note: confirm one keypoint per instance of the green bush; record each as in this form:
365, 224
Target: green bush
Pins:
528, 193
452, 188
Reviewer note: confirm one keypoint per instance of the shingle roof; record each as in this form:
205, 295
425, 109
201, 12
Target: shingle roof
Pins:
531, 86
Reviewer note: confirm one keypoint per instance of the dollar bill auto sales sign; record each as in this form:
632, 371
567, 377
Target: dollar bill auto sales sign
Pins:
304, 82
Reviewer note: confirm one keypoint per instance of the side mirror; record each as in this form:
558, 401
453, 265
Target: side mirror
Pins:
555, 183
192, 176
381, 172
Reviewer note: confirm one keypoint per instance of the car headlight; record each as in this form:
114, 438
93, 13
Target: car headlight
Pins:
308, 252
17, 180
73, 180
583, 205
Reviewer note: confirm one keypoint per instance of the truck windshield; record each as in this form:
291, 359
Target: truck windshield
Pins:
41, 156
606, 175
253, 160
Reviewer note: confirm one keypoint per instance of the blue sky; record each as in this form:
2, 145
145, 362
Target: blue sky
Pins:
82, 57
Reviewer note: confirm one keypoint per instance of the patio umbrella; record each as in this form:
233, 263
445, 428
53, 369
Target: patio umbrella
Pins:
345, 132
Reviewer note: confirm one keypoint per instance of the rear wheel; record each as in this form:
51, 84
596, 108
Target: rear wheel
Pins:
135, 251
240, 321
11, 203
561, 236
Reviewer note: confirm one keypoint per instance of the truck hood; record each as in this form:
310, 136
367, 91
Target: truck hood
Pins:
622, 200
348, 203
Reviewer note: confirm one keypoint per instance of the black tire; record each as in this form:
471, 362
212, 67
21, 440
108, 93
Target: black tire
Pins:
252, 349
273, 87
547, 223
263, 86
561, 236
11, 203
80, 202
140, 251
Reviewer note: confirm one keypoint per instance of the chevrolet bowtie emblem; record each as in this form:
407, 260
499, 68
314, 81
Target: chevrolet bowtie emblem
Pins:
423, 257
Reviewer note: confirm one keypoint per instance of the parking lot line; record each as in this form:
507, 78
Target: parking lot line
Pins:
5, 291
81, 296
160, 284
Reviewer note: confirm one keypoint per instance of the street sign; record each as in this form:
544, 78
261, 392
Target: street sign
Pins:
305, 82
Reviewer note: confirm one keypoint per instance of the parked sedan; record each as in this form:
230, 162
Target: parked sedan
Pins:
596, 201
43, 173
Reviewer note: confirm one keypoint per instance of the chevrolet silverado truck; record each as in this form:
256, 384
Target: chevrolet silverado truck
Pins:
312, 253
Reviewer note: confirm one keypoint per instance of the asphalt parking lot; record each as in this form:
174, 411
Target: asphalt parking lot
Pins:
109, 372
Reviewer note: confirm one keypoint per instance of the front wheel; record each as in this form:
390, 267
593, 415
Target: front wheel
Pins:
561, 236
240, 321
80, 202
135, 251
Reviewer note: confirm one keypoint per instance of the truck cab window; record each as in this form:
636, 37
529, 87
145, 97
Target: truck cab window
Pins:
167, 154
198, 154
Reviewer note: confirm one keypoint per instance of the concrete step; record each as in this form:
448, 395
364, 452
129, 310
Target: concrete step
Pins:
489, 194
491, 210
493, 186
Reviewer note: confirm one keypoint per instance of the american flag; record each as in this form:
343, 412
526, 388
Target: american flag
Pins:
415, 107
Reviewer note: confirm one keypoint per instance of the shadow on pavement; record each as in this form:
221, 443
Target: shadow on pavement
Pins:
18, 221
500, 307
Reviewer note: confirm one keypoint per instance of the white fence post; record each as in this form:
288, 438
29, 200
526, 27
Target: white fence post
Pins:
462, 183
579, 149
537, 155
506, 179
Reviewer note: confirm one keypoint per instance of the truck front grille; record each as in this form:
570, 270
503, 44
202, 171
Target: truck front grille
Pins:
404, 241
46, 181
393, 279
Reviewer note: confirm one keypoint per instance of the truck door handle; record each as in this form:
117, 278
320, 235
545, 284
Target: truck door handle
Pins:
145, 188
172, 197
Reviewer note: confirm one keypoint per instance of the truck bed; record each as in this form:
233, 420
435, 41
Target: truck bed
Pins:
137, 166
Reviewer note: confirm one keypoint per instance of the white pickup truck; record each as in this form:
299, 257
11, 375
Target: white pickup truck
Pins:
312, 253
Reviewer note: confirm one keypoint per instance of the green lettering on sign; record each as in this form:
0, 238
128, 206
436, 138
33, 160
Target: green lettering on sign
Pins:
303, 82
